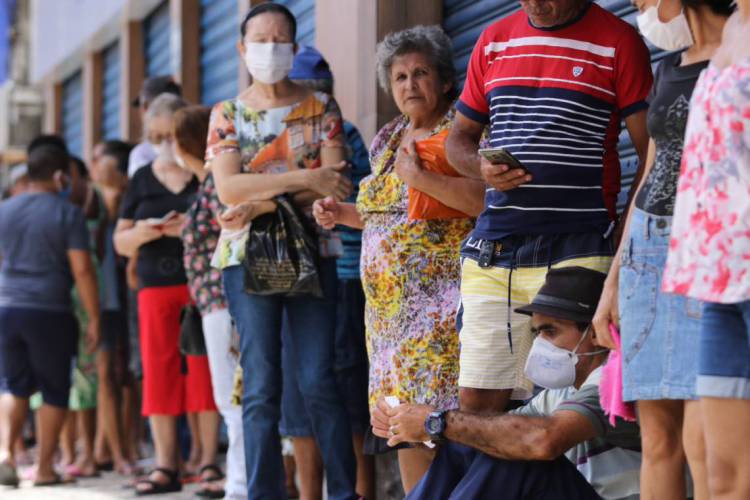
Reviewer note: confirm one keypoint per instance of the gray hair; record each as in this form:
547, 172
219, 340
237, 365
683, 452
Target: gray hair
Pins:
428, 40
165, 104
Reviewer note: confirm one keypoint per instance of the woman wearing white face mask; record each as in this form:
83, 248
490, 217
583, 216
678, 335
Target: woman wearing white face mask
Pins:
152, 214
660, 332
279, 138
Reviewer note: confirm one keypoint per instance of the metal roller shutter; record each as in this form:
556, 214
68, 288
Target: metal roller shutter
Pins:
156, 44
72, 113
464, 20
304, 11
219, 60
110, 119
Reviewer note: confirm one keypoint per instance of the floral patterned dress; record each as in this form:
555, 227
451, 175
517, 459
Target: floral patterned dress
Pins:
709, 255
200, 236
272, 141
410, 273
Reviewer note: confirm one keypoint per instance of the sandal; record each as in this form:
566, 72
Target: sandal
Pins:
8, 475
216, 475
57, 480
155, 487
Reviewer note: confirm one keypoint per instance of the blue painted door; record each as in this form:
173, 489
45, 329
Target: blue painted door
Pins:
156, 44
304, 11
110, 119
219, 60
464, 20
72, 113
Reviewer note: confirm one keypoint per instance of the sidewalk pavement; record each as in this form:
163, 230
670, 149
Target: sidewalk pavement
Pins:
109, 486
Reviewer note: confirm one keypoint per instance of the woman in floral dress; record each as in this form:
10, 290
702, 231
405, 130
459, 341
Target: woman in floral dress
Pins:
411, 268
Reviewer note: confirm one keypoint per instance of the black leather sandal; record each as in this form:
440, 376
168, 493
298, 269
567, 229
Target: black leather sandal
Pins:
218, 475
155, 487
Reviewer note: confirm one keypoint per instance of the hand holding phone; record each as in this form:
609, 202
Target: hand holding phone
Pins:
501, 170
161, 221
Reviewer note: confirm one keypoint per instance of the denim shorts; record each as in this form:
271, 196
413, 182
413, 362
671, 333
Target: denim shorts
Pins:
724, 368
660, 332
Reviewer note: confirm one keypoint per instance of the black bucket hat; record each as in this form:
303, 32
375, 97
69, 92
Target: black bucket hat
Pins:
570, 293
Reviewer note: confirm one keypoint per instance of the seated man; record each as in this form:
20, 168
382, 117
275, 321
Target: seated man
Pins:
560, 445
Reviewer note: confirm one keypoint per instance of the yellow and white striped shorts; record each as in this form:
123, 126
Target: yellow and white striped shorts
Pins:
487, 360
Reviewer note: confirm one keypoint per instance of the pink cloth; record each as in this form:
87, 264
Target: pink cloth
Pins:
610, 387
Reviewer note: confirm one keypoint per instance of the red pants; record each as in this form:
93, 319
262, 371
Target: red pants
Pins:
169, 389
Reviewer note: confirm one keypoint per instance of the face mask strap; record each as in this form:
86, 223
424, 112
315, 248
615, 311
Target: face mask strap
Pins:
593, 353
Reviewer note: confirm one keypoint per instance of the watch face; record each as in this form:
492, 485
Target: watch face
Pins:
433, 425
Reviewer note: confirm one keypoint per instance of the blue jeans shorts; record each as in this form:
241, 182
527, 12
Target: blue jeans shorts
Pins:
724, 369
660, 332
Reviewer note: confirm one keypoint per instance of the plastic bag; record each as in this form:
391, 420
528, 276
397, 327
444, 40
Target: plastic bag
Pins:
423, 206
281, 255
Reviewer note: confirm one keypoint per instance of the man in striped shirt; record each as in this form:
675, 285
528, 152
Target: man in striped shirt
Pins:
553, 82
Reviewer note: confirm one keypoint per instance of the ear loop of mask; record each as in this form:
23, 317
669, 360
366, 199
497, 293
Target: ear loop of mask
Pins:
594, 353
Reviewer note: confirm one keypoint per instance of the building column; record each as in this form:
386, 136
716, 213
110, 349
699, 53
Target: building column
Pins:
132, 72
185, 18
349, 48
52, 121
92, 102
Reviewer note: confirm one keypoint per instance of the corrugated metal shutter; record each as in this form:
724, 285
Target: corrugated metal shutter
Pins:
628, 158
156, 42
111, 92
72, 113
304, 11
219, 60
464, 20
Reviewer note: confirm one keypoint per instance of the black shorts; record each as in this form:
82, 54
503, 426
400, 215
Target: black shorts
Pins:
37, 348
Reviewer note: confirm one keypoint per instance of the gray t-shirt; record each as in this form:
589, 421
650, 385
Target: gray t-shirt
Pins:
611, 461
36, 232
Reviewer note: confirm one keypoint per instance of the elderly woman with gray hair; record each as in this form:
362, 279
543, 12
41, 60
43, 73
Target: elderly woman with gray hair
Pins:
410, 265
151, 217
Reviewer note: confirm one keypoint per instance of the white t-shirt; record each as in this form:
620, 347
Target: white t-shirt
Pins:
141, 155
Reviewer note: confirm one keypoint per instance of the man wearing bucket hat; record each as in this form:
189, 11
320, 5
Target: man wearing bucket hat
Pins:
559, 445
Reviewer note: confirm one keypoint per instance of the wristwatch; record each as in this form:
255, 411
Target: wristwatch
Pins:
434, 425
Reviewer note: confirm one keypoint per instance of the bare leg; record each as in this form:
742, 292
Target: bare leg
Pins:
727, 447
309, 468
208, 429
13, 412
290, 470
164, 430
131, 423
109, 420
191, 467
483, 400
51, 420
694, 442
663, 465
67, 438
86, 420
413, 464
365, 468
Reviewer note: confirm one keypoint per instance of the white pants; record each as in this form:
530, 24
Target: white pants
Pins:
217, 329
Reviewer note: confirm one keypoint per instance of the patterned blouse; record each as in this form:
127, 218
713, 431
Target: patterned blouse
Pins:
709, 255
271, 141
200, 235
410, 273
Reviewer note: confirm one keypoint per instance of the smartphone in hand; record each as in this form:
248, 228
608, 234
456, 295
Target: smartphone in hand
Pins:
500, 155
161, 221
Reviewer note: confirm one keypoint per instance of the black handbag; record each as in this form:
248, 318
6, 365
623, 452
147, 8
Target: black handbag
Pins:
281, 254
192, 342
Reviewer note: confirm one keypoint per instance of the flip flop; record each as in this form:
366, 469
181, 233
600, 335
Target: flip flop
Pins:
75, 471
57, 481
8, 475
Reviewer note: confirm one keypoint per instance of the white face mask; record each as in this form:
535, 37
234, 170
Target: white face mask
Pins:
165, 153
553, 367
672, 35
177, 158
269, 62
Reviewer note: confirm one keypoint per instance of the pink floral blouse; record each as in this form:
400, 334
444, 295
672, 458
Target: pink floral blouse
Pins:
709, 255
